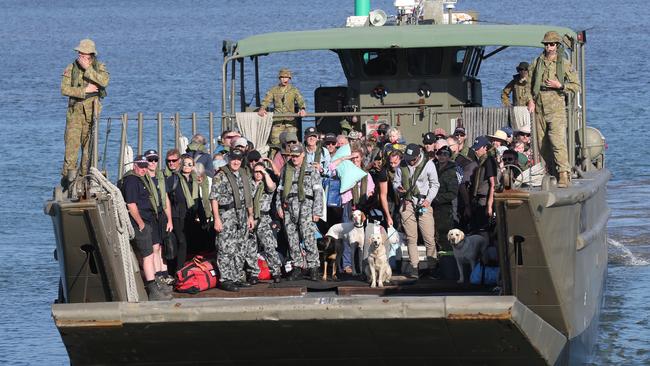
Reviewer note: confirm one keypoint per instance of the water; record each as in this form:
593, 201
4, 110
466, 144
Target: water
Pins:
165, 56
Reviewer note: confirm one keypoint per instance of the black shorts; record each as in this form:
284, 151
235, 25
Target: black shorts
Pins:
142, 240
157, 227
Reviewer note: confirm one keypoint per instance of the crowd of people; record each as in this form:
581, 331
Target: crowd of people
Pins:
245, 205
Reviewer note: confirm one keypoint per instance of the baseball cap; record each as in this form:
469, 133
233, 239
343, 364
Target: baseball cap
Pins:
311, 131
412, 152
444, 150
240, 141
330, 137
141, 161
253, 155
290, 136
296, 149
428, 138
479, 142
460, 131
507, 130
151, 154
524, 129
235, 154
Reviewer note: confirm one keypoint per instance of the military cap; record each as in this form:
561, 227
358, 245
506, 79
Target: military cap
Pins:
86, 46
479, 142
412, 152
311, 131
330, 137
428, 138
140, 161
552, 37
296, 150
523, 66
236, 155
284, 73
151, 154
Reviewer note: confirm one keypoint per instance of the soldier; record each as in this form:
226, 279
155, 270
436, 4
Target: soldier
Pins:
519, 86
84, 82
552, 76
140, 203
299, 204
232, 209
417, 182
284, 97
264, 187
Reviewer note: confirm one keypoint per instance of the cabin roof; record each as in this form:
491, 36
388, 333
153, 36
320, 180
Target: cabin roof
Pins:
413, 36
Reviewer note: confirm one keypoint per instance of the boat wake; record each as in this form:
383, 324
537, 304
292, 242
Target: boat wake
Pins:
619, 254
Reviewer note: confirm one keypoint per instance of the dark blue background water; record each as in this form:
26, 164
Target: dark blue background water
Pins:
164, 56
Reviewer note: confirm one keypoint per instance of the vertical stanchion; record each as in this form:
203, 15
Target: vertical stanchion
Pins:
211, 127
177, 129
160, 142
140, 126
193, 123
120, 164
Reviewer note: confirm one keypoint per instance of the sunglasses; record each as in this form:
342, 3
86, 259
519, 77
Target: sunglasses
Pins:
330, 143
152, 160
259, 171
522, 69
292, 142
172, 160
524, 134
142, 165
230, 137
253, 160
188, 164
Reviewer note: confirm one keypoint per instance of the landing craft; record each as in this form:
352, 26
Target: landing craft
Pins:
551, 242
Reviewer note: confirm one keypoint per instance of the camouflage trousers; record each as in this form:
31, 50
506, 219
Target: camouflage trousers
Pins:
299, 226
78, 123
551, 124
249, 255
266, 239
279, 127
230, 260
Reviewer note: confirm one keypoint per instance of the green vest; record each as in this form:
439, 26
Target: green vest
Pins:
235, 189
538, 71
288, 181
76, 80
409, 183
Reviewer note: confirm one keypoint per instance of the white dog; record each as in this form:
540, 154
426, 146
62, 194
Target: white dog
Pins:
378, 270
466, 249
353, 232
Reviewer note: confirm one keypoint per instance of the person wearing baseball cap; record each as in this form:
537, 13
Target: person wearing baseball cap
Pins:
463, 145
483, 196
299, 203
315, 154
417, 183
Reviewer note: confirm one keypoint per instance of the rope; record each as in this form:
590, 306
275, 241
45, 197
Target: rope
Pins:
124, 230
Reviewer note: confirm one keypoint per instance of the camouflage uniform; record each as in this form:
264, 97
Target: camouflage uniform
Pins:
551, 114
79, 115
520, 89
298, 215
265, 235
234, 240
283, 98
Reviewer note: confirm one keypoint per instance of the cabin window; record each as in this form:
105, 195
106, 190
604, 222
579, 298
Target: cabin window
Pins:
379, 62
424, 61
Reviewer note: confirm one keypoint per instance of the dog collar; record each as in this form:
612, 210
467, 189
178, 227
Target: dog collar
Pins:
358, 226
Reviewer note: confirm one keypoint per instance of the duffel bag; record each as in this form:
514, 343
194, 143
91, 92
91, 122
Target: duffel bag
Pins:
196, 276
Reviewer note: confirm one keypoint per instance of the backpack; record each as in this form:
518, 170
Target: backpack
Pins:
196, 276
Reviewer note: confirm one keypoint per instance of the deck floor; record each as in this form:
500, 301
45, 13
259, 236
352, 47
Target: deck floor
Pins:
400, 286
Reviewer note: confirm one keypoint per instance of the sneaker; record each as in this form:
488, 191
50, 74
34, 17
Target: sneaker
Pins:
156, 294
413, 273
314, 274
229, 286
242, 284
253, 280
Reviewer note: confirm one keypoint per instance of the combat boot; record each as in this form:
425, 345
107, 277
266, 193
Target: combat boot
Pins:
563, 181
155, 293
296, 274
229, 286
314, 274
163, 286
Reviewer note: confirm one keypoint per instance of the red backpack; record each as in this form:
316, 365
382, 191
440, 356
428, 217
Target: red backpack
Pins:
196, 276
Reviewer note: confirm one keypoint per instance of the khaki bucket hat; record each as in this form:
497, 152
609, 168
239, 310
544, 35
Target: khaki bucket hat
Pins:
86, 46
284, 73
552, 37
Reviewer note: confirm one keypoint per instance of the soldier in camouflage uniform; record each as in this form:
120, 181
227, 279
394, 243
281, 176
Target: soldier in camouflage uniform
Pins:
551, 77
300, 203
519, 86
84, 82
232, 208
284, 97
263, 189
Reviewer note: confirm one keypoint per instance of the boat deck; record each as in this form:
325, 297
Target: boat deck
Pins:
400, 286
